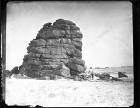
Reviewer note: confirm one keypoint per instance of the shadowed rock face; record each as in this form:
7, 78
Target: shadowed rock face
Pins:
57, 47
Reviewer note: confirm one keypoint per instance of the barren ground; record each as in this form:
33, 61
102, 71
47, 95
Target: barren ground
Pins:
68, 93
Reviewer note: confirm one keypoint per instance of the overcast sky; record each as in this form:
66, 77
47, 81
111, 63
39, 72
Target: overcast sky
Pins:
106, 27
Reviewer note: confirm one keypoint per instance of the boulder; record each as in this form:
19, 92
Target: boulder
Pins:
73, 72
75, 67
62, 21
62, 70
15, 70
122, 74
77, 61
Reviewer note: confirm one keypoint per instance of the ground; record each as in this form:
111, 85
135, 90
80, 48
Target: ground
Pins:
54, 93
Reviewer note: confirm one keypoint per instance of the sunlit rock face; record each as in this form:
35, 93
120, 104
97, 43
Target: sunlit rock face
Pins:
56, 51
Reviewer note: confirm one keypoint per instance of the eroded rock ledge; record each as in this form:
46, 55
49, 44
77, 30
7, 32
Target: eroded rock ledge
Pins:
56, 51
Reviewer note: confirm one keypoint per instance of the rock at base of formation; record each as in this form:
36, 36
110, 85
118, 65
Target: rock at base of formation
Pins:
56, 51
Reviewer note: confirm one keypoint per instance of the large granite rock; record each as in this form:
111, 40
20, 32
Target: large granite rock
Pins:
56, 50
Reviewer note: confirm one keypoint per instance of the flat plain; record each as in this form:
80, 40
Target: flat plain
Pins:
64, 92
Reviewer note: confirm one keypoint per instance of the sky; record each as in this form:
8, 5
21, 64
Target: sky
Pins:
106, 28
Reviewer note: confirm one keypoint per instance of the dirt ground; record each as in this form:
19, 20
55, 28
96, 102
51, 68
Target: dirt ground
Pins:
62, 93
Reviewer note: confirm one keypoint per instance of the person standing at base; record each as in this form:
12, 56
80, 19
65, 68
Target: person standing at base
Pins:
92, 75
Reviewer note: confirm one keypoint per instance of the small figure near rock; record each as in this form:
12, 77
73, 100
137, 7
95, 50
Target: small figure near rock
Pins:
92, 75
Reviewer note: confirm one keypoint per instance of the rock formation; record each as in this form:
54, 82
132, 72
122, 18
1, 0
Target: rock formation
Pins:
56, 50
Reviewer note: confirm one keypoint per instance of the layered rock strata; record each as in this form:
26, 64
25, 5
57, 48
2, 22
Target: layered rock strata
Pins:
56, 50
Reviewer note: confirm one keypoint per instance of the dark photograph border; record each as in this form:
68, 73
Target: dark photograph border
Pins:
136, 49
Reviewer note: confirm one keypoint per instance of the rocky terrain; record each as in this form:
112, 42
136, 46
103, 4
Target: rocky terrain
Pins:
113, 71
55, 52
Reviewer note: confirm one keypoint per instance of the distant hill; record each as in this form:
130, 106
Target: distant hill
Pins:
127, 69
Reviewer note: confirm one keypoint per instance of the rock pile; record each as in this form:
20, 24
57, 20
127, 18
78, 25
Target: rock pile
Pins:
56, 50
